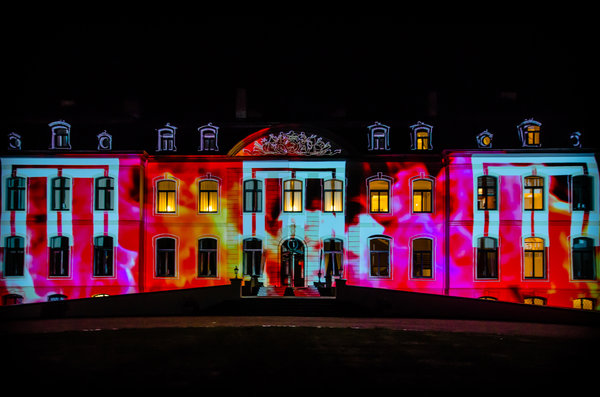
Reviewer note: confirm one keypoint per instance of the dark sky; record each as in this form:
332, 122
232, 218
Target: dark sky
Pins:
297, 70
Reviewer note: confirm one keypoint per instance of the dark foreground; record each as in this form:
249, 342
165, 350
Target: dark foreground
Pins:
293, 360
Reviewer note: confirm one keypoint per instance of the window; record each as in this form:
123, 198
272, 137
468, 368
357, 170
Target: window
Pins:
12, 299
253, 196
103, 256
379, 251
165, 257
583, 303
584, 262
104, 193
379, 196
59, 256
422, 140
529, 133
379, 137
533, 135
582, 193
487, 258
14, 256
421, 136
207, 257
488, 298
332, 257
208, 196
60, 135
535, 300
208, 137
332, 195
422, 195
486, 193
292, 196
422, 258
56, 297
61, 193
15, 194
252, 257
166, 138
533, 193
166, 196
534, 258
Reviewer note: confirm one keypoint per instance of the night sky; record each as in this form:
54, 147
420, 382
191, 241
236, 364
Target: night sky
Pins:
459, 77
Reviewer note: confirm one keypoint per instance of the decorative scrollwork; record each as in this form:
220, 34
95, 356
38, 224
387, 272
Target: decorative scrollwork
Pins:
293, 144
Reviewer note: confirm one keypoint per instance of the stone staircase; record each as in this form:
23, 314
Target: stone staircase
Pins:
310, 292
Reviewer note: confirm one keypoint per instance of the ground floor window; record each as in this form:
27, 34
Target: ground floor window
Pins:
14, 256
422, 258
487, 258
534, 258
207, 257
103, 256
379, 253
165, 257
332, 257
252, 256
59, 256
584, 262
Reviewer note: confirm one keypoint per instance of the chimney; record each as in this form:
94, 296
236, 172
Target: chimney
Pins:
240, 104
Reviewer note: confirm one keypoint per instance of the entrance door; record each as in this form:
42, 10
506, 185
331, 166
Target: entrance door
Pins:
292, 263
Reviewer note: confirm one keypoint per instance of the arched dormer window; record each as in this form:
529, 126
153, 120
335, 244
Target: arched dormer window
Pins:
484, 139
530, 133
61, 132
166, 139
421, 136
208, 138
104, 141
14, 141
379, 138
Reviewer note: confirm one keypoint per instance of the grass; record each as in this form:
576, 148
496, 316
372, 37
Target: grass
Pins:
280, 360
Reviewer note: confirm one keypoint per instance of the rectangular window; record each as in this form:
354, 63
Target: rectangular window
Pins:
253, 196
166, 196
208, 196
422, 258
104, 193
534, 258
332, 257
14, 256
533, 193
332, 195
486, 193
59, 257
165, 257
487, 258
61, 194
422, 140
379, 252
15, 197
582, 193
252, 257
292, 196
103, 256
584, 261
379, 196
207, 257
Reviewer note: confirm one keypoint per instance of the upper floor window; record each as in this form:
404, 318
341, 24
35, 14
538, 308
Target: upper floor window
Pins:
208, 138
584, 261
529, 133
207, 257
59, 256
60, 135
333, 195
104, 193
165, 257
292, 195
332, 256
208, 200
534, 258
422, 195
379, 256
166, 138
487, 258
103, 256
533, 193
421, 136
166, 196
379, 196
422, 258
252, 195
583, 193
486, 193
14, 256
15, 193
252, 256
379, 137
61, 193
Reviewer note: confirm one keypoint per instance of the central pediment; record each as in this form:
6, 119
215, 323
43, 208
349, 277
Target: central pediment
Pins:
286, 140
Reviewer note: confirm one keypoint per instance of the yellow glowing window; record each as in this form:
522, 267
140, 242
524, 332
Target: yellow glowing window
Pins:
332, 195
422, 140
208, 196
534, 300
292, 196
379, 195
166, 196
533, 193
422, 195
583, 303
533, 135
534, 258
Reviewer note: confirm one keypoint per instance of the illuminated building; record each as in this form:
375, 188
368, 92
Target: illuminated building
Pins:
298, 207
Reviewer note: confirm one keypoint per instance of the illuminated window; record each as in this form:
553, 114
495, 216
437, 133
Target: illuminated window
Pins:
484, 139
487, 258
422, 258
332, 256
165, 257
584, 262
12, 299
583, 303
59, 256
208, 196
533, 193
252, 257
422, 140
292, 196
15, 194
207, 257
422, 195
60, 135
252, 196
104, 193
61, 193
486, 193
166, 196
534, 258
529, 133
421, 136
582, 193
332, 195
379, 196
533, 135
488, 298
379, 252
103, 256
14, 256
535, 300
56, 297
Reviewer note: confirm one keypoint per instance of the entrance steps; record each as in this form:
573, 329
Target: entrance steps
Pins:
311, 292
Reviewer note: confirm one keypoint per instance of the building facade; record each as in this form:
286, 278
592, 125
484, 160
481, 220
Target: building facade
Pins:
298, 207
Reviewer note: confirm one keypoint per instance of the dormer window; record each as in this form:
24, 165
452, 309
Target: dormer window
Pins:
104, 141
421, 136
529, 133
484, 139
166, 139
60, 135
379, 137
208, 138
14, 141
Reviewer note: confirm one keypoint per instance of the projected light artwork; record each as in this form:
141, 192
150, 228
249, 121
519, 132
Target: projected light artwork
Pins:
292, 208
